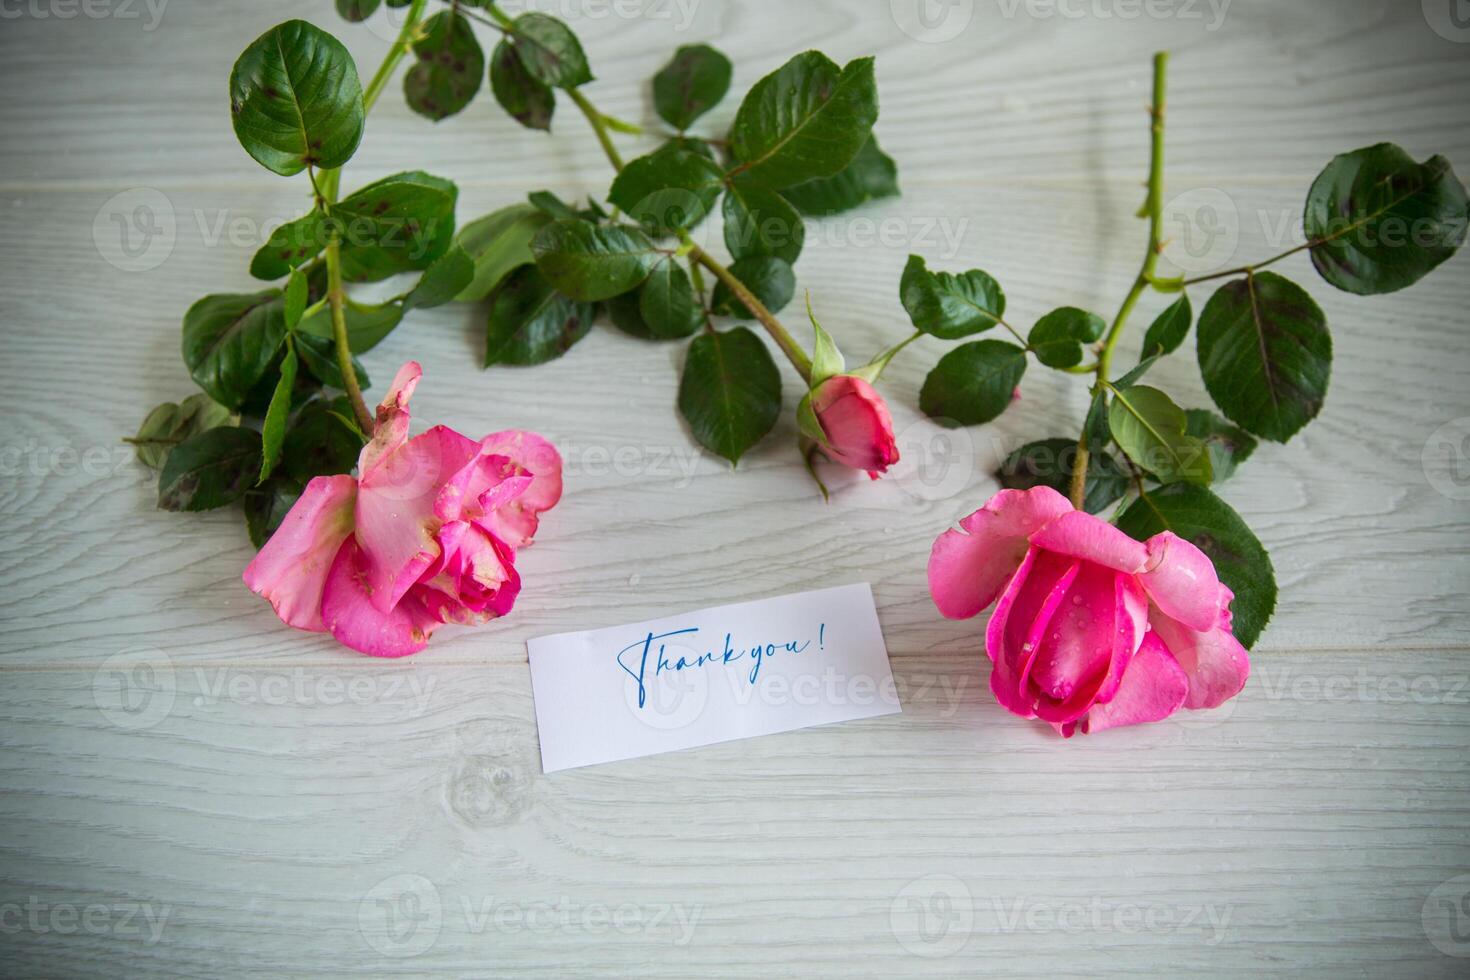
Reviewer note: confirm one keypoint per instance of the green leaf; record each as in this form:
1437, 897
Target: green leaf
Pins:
948, 306
1149, 428
498, 243
690, 144
319, 357
367, 326
1379, 222
290, 246
667, 304
170, 424
1095, 427
1139, 370
762, 222
667, 190
357, 10
298, 293
1169, 330
771, 280
266, 508
554, 207
320, 442
451, 66
1265, 355
1058, 337
731, 392
691, 84
974, 383
523, 96
449, 276
806, 120
230, 341
626, 313
210, 470
1229, 446
550, 51
1051, 462
591, 262
273, 431
401, 223
827, 360
531, 323
871, 175
1198, 516
296, 100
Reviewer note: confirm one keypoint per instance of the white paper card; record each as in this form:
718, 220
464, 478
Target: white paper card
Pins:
754, 668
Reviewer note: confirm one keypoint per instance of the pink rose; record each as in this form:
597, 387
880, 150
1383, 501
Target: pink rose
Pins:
424, 535
855, 420
1094, 630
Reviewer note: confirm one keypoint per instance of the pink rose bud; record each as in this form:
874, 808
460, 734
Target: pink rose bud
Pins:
855, 420
424, 535
1093, 630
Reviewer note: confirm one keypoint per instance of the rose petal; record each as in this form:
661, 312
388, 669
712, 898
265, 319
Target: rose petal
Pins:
1013, 635
515, 521
857, 424
1087, 644
292, 568
1181, 580
1153, 688
474, 581
393, 419
1215, 663
401, 503
968, 569
1083, 536
355, 620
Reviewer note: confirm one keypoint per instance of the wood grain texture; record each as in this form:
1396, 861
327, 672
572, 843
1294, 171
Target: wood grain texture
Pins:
279, 806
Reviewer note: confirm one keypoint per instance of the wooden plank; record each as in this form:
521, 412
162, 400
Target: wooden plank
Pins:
270, 819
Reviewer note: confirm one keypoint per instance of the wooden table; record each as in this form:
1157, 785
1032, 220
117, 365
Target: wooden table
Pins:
188, 788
